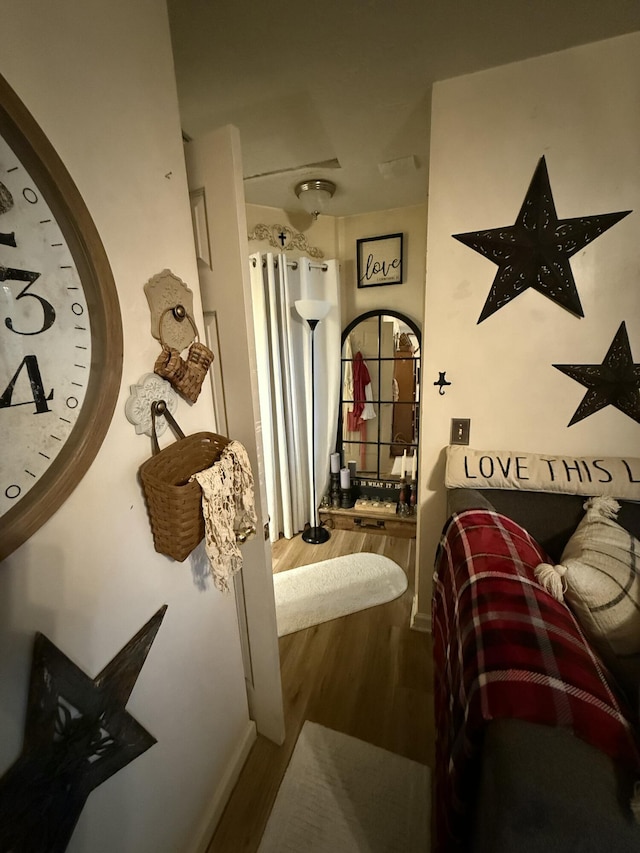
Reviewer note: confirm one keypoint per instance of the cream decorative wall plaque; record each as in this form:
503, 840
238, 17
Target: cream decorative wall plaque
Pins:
285, 239
165, 291
149, 389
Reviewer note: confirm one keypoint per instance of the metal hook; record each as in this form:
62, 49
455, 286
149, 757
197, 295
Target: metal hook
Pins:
441, 382
245, 533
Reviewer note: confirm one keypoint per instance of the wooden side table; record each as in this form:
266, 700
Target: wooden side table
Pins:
370, 517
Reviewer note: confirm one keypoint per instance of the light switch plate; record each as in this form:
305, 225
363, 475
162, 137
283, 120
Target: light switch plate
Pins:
460, 429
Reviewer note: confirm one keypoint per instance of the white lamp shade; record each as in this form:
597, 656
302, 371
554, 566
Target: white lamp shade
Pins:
314, 201
312, 309
314, 194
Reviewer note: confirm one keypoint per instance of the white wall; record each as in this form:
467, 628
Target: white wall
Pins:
99, 79
580, 109
408, 297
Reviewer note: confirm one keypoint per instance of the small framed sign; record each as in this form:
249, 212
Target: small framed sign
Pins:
379, 260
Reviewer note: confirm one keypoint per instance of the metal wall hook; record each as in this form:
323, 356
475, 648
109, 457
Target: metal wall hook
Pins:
144, 393
159, 408
179, 313
244, 534
442, 381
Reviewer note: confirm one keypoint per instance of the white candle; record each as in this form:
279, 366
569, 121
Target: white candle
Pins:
345, 478
413, 465
335, 463
404, 463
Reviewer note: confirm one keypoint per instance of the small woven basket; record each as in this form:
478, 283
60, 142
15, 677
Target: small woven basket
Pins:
173, 501
186, 376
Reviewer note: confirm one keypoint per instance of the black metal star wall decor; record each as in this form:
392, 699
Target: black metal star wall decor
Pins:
615, 382
535, 251
77, 735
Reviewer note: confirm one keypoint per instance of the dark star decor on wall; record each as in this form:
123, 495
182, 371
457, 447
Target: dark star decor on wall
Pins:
77, 735
535, 251
615, 382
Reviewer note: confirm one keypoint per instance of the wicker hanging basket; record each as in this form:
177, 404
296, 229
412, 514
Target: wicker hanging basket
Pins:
174, 501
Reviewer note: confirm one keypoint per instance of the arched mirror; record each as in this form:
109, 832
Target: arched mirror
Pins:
378, 424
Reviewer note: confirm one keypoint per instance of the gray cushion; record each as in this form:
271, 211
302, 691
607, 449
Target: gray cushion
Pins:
543, 789
549, 517
459, 500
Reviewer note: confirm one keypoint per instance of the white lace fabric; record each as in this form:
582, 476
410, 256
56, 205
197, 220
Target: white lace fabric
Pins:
228, 509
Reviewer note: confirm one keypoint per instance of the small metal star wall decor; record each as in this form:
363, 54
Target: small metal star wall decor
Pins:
535, 251
77, 735
615, 382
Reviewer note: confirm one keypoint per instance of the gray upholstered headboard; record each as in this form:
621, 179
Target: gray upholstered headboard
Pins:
550, 517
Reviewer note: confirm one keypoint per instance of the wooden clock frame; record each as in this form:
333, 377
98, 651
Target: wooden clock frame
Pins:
31, 145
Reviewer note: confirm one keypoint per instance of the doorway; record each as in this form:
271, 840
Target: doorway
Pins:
286, 383
214, 168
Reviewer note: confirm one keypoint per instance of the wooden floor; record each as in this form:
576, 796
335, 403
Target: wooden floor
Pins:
367, 675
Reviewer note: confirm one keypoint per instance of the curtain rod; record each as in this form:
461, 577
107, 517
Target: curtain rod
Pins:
322, 267
294, 265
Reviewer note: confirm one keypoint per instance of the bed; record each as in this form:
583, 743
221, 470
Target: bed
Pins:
537, 737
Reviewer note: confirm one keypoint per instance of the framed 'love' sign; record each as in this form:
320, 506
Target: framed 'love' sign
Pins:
379, 260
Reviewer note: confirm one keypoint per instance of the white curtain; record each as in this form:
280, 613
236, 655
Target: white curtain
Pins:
284, 377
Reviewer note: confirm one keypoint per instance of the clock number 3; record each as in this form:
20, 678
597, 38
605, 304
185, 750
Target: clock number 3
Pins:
29, 362
9, 274
48, 311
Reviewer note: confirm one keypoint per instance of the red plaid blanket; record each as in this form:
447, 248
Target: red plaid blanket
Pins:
503, 647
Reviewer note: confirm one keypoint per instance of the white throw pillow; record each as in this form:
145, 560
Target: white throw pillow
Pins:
598, 573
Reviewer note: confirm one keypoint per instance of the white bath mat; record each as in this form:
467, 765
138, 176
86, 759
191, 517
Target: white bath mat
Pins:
342, 795
333, 588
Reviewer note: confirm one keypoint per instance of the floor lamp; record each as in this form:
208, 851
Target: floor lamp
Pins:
313, 310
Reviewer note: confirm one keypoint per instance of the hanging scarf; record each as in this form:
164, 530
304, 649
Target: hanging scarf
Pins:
361, 379
228, 509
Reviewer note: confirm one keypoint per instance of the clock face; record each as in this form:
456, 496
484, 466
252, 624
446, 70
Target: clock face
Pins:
60, 330
45, 358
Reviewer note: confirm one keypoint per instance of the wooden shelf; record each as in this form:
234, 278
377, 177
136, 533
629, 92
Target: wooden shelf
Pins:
370, 521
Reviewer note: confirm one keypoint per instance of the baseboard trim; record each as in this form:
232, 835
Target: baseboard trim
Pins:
223, 791
419, 621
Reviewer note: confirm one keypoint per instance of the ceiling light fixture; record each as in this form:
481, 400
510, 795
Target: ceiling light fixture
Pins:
314, 195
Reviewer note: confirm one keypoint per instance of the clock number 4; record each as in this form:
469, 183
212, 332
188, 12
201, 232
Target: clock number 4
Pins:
30, 362
48, 311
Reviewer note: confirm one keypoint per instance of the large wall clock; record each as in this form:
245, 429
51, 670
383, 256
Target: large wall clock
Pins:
60, 329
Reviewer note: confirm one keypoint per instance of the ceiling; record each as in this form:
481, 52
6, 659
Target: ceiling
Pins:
346, 83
